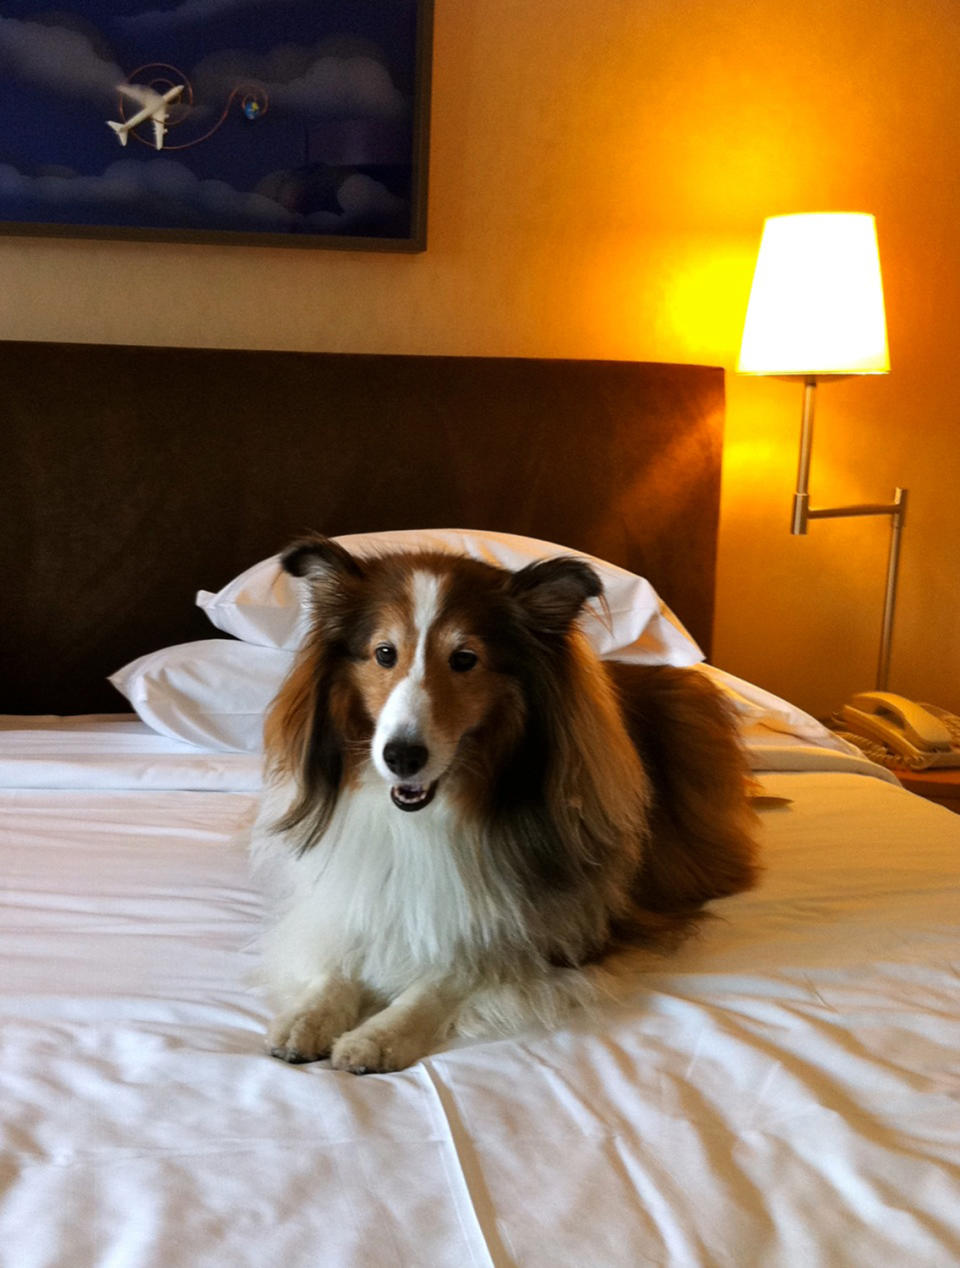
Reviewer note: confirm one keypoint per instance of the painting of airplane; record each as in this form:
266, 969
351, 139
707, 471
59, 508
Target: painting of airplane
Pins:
153, 107
223, 121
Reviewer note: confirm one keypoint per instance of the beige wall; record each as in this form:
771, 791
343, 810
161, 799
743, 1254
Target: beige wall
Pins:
599, 175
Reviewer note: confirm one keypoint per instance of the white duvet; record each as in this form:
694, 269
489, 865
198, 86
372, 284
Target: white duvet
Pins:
784, 1091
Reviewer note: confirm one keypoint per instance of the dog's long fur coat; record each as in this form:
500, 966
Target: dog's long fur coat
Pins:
465, 807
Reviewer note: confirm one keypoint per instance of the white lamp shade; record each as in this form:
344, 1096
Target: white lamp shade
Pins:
816, 306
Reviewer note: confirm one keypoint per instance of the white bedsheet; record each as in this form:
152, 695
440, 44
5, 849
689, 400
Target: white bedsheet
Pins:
784, 1091
113, 751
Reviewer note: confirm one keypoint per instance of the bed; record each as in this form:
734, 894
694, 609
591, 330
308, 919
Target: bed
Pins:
784, 1090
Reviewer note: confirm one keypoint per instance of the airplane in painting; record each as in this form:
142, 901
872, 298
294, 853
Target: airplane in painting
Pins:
154, 107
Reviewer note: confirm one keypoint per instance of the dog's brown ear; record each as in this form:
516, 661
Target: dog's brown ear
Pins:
318, 558
552, 591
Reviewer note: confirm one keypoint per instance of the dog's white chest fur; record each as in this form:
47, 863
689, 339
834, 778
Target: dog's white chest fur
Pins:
384, 895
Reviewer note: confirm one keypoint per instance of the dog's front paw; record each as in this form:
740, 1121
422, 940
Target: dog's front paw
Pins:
299, 1037
375, 1051
307, 1032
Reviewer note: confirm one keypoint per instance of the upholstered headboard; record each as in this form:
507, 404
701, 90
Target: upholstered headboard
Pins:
131, 477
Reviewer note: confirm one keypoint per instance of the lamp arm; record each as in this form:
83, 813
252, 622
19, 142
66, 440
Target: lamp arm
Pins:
803, 513
897, 517
801, 498
802, 510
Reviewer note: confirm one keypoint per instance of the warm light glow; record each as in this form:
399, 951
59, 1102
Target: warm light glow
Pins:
816, 307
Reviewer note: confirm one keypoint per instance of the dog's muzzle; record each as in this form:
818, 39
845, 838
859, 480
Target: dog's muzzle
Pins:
412, 796
405, 758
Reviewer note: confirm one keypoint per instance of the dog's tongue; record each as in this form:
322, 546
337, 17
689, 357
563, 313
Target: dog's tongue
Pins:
412, 796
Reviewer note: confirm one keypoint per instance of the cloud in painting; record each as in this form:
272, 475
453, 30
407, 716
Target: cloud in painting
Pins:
339, 87
154, 20
361, 195
56, 57
324, 81
165, 194
162, 191
320, 83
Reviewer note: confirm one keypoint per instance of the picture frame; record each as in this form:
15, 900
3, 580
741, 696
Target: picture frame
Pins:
299, 123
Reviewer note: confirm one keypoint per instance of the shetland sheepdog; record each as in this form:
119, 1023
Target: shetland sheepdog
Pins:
465, 809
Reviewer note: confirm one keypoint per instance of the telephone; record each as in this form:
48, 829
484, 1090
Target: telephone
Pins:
919, 735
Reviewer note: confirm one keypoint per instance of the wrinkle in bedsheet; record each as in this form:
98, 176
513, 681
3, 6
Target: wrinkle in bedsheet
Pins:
223, 1147
466, 1171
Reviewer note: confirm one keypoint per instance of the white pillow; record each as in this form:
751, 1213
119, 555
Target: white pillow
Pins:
755, 705
266, 606
213, 693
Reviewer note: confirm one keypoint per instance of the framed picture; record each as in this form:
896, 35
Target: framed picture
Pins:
271, 122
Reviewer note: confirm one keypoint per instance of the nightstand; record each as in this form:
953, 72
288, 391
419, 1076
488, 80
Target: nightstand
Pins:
941, 786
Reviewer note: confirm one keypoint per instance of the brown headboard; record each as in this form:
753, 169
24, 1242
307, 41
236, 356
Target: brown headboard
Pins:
130, 477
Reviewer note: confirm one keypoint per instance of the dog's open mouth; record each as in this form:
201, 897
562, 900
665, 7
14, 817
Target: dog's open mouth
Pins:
412, 796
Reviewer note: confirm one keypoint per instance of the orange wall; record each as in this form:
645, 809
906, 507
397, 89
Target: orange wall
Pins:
599, 175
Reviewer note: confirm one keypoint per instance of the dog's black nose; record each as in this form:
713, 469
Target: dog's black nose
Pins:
404, 758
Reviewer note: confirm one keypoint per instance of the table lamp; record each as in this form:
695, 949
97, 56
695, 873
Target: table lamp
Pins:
816, 312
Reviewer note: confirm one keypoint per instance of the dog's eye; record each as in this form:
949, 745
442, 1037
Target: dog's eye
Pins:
386, 655
460, 662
